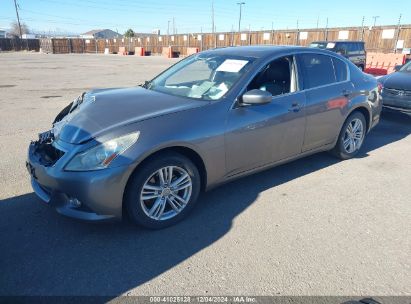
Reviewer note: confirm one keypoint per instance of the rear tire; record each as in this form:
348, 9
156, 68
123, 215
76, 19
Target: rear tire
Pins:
162, 191
351, 136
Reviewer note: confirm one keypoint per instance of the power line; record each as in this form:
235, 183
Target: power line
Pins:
140, 8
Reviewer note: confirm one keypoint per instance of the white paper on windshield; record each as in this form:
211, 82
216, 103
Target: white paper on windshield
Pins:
218, 92
330, 45
232, 65
197, 91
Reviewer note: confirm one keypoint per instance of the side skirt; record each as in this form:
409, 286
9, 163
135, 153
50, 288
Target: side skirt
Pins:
270, 165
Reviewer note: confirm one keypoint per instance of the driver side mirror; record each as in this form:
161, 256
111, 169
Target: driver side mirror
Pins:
397, 68
256, 97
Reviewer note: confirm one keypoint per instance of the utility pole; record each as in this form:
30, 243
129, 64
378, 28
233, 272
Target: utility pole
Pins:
232, 35
239, 19
213, 25
18, 19
201, 45
326, 30
362, 28
272, 32
212, 17
174, 26
318, 21
375, 19
398, 33
249, 34
297, 38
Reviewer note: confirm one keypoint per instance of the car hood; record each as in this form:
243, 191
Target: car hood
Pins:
397, 80
104, 110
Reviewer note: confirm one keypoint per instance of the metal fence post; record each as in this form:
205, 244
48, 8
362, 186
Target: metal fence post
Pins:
398, 34
249, 34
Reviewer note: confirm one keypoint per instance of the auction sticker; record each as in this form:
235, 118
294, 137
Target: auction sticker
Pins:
232, 65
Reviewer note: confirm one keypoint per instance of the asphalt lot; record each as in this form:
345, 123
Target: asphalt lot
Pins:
317, 226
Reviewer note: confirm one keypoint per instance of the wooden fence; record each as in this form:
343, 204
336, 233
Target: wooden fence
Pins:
383, 39
8, 44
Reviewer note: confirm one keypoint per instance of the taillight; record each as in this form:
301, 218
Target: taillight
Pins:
380, 87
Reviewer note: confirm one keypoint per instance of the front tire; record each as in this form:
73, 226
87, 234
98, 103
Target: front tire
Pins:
162, 191
351, 137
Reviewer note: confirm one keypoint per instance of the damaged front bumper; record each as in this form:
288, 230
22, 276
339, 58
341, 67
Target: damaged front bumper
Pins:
90, 195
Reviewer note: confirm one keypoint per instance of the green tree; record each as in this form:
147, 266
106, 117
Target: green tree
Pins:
129, 33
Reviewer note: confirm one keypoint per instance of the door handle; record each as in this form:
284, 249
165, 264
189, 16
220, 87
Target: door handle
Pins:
295, 107
346, 93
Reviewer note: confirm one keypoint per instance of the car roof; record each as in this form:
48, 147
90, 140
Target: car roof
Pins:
263, 51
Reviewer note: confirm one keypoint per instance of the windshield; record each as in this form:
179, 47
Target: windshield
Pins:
203, 76
406, 67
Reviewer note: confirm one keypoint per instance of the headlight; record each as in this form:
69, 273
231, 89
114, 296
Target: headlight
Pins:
100, 156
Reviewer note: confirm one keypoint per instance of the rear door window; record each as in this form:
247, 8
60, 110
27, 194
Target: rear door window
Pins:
317, 70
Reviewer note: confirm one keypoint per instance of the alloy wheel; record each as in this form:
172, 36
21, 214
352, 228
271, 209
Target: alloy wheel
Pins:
353, 136
166, 193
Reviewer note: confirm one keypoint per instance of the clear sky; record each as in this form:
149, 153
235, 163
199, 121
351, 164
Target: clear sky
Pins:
78, 16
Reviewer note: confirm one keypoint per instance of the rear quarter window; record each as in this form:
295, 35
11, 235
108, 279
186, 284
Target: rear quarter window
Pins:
340, 70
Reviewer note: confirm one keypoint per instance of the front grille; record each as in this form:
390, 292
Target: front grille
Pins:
47, 154
397, 92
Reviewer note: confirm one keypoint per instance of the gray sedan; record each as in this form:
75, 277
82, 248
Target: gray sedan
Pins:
396, 89
149, 151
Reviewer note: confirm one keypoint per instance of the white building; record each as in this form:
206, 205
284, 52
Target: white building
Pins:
101, 34
28, 36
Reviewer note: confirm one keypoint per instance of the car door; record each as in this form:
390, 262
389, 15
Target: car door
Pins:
328, 90
257, 135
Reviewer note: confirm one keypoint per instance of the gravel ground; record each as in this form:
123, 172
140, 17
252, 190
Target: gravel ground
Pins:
316, 226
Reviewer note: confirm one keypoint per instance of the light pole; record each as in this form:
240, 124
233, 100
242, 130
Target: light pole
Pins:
168, 28
375, 19
239, 19
212, 17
